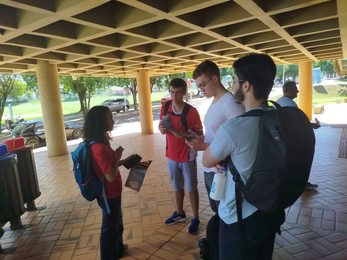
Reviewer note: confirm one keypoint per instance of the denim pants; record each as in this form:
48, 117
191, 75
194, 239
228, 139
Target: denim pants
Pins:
259, 231
111, 237
208, 177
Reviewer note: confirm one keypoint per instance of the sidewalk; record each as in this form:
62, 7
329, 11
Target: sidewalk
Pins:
334, 115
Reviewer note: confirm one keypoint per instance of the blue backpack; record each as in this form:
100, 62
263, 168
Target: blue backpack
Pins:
90, 184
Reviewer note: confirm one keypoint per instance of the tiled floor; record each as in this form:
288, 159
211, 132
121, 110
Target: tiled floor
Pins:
315, 228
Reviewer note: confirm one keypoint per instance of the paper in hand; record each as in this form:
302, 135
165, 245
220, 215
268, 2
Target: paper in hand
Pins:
137, 175
167, 122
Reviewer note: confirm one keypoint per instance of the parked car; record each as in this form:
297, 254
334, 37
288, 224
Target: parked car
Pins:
117, 104
165, 98
33, 132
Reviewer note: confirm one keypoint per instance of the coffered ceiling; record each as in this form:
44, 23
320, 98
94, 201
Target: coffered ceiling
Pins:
119, 38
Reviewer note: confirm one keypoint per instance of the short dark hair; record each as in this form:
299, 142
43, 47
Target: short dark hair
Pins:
95, 126
207, 67
259, 70
288, 86
178, 83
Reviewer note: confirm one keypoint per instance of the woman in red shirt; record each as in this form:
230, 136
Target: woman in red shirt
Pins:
105, 161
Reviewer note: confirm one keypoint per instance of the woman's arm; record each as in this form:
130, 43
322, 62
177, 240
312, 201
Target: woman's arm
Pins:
112, 175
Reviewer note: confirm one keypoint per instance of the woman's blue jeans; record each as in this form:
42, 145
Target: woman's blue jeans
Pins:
111, 237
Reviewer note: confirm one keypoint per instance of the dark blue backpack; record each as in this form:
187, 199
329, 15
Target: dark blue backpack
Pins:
90, 184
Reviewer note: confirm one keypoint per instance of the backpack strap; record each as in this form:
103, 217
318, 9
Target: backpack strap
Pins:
264, 107
102, 179
166, 106
183, 115
238, 196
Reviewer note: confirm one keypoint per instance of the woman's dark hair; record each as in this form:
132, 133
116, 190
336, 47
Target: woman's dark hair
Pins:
259, 70
207, 67
95, 125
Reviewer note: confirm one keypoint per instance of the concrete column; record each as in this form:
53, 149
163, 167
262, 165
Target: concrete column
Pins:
52, 111
305, 88
145, 103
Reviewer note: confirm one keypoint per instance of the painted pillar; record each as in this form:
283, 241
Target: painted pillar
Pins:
305, 88
52, 111
145, 104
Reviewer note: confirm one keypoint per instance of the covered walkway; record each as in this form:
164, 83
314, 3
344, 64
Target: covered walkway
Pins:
315, 228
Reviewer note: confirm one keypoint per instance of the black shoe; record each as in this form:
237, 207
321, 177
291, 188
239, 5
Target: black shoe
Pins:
204, 251
311, 186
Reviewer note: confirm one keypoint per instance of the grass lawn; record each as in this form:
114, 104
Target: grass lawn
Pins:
32, 109
322, 94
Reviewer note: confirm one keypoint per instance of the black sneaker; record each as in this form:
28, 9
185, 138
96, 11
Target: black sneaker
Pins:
311, 186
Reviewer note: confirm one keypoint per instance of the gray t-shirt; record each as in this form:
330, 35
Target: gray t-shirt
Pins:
239, 138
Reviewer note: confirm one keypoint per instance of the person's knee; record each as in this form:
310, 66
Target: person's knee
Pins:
193, 193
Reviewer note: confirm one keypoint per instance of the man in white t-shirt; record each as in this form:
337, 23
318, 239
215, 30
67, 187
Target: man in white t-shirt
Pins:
290, 91
222, 108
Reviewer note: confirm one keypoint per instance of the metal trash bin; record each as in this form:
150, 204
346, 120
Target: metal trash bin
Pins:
27, 172
11, 199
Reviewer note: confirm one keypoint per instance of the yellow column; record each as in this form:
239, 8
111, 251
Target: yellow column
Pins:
305, 88
145, 104
51, 106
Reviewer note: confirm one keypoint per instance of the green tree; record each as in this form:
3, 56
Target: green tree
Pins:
326, 67
7, 83
31, 82
19, 89
291, 72
84, 87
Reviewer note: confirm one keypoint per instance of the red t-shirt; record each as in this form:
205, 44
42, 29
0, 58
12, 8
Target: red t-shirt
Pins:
103, 158
176, 148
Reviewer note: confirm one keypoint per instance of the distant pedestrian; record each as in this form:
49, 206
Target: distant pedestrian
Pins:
290, 91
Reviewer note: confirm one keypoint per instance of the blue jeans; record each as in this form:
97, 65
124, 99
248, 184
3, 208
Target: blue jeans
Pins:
208, 177
259, 230
111, 237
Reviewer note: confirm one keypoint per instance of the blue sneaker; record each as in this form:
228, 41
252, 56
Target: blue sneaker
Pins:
175, 218
194, 226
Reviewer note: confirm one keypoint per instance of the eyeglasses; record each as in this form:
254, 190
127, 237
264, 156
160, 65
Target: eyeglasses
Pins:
204, 84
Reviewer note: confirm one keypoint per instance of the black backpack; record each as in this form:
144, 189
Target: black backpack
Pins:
209, 246
283, 161
182, 115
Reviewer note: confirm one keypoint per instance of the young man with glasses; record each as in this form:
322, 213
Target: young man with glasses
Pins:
222, 108
254, 77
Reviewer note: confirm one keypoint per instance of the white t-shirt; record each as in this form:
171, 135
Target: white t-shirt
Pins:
286, 102
239, 138
218, 113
